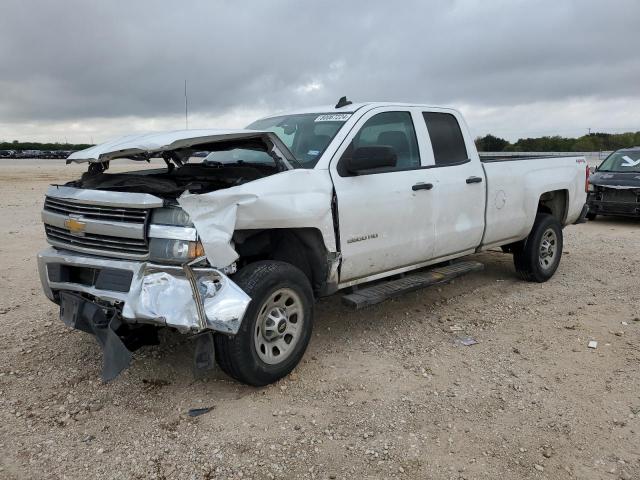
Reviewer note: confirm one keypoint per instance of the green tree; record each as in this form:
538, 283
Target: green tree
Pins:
490, 143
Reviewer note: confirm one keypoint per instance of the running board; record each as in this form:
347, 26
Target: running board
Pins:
380, 292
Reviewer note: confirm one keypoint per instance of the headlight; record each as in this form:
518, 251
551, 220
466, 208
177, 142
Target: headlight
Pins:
164, 250
172, 237
171, 216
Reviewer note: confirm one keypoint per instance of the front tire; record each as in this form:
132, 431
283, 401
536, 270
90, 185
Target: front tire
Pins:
538, 257
276, 327
591, 216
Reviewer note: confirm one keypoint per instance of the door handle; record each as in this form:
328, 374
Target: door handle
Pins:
422, 186
474, 180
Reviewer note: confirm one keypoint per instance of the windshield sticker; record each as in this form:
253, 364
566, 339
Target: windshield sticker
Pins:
628, 161
313, 152
333, 117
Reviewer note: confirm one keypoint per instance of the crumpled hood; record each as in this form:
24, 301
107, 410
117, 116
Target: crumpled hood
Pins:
621, 180
298, 198
157, 142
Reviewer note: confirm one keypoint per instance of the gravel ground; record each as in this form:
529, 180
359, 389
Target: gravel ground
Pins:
388, 392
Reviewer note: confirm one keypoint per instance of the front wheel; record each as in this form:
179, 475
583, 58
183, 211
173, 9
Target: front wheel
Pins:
591, 216
276, 327
538, 257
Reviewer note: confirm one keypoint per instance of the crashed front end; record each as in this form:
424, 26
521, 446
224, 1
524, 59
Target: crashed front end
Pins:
125, 254
105, 270
614, 193
615, 201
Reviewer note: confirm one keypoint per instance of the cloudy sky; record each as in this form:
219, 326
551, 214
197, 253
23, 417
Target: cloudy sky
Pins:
85, 71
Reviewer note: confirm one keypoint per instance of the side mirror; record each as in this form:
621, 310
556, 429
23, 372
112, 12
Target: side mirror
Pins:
370, 158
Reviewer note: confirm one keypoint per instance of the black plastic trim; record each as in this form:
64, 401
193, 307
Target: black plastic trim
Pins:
112, 279
516, 159
391, 170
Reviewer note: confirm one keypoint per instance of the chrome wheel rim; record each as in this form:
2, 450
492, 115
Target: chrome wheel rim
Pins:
548, 248
279, 326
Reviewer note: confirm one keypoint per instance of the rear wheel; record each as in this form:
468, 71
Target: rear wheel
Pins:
276, 328
538, 257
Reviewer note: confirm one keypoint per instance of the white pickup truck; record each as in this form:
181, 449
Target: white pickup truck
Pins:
234, 248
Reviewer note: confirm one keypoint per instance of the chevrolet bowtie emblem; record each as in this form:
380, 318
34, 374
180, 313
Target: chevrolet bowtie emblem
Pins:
74, 225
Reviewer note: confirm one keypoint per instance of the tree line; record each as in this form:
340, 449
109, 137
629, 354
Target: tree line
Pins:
592, 142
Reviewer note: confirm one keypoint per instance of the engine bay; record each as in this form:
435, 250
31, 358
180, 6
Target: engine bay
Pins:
231, 158
172, 182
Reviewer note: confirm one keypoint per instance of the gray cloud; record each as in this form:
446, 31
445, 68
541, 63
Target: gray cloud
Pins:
75, 61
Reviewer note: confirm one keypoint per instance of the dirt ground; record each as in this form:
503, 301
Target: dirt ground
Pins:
387, 392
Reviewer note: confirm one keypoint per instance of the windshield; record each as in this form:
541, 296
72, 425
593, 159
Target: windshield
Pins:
306, 135
622, 161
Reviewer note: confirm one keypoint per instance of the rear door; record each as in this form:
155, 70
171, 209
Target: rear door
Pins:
385, 216
460, 206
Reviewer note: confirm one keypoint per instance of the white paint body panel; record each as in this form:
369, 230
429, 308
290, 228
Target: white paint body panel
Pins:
459, 206
513, 190
397, 223
156, 142
290, 199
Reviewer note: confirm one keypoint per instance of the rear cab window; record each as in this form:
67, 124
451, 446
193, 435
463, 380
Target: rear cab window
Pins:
446, 137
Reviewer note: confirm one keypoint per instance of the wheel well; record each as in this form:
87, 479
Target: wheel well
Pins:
301, 247
555, 203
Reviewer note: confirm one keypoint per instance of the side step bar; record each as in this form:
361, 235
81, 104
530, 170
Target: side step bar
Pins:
380, 292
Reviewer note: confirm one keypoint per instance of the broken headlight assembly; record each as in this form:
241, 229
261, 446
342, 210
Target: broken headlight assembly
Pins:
173, 216
173, 237
165, 250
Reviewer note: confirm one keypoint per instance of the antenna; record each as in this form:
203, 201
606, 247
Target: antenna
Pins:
186, 106
343, 102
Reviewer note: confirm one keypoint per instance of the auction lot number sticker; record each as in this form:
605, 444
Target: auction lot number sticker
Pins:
333, 117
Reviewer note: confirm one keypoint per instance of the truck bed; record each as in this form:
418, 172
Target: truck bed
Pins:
515, 186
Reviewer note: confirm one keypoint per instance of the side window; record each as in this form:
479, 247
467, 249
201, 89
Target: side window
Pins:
446, 138
393, 129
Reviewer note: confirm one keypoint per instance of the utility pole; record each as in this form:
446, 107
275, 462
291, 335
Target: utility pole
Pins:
186, 106
589, 130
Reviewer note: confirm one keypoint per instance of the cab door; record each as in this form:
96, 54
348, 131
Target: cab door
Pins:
461, 185
385, 215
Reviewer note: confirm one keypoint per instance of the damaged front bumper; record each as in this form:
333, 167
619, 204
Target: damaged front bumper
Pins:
624, 203
190, 299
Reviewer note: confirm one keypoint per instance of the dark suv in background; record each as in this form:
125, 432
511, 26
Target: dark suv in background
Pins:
614, 188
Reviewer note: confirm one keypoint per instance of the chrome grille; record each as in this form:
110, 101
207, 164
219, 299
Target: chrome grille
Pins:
111, 231
96, 243
97, 212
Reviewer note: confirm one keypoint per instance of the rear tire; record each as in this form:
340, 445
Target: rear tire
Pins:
276, 327
538, 256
